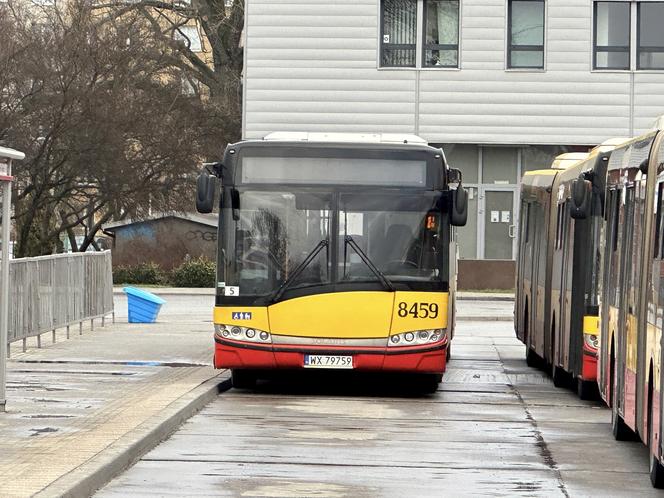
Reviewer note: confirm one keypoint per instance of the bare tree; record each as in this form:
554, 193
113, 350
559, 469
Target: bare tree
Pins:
219, 68
108, 127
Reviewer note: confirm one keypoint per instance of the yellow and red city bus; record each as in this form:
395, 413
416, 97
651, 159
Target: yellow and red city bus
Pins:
632, 296
575, 270
334, 252
533, 269
533, 318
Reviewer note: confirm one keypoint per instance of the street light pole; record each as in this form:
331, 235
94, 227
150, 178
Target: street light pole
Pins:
6, 158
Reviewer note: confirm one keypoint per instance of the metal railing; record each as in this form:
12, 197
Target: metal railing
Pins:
52, 292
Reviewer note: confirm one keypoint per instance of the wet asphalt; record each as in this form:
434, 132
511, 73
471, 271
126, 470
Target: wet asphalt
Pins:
495, 427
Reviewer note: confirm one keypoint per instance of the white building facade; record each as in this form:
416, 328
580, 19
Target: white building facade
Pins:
502, 85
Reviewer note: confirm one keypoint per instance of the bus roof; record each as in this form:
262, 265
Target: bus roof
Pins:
564, 161
539, 178
376, 138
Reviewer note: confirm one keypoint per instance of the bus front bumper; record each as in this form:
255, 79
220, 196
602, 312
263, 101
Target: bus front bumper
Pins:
589, 366
430, 358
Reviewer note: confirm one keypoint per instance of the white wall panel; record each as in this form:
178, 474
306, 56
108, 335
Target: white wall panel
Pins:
312, 66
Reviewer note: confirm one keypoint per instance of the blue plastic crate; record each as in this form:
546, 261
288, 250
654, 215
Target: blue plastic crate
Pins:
142, 306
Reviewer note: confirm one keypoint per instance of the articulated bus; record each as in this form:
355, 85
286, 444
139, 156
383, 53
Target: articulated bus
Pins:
576, 270
539, 282
334, 252
632, 294
557, 298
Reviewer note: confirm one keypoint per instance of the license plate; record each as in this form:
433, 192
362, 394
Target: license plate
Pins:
327, 361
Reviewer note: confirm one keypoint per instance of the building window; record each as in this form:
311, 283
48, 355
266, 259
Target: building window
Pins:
650, 47
525, 44
441, 33
612, 33
398, 33
189, 35
438, 33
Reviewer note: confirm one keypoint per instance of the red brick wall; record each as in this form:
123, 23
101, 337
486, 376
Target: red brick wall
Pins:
481, 274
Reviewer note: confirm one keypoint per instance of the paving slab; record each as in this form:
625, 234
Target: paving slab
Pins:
81, 409
495, 427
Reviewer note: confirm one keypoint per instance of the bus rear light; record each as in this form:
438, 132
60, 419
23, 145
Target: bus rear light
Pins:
416, 337
592, 341
242, 333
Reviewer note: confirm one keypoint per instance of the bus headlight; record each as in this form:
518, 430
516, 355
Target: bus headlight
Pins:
248, 334
592, 341
416, 337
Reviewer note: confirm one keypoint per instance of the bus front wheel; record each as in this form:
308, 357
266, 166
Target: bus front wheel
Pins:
243, 379
559, 376
620, 430
656, 472
587, 389
428, 383
656, 467
532, 359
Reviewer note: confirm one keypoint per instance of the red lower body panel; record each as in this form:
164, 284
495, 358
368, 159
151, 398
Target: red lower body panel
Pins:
589, 367
630, 399
424, 360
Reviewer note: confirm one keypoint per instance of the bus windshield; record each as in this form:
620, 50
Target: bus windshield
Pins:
338, 236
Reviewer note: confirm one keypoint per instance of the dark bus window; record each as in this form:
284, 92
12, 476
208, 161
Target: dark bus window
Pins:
616, 215
658, 229
526, 224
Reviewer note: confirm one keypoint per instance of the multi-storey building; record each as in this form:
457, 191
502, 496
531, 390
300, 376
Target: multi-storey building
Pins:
502, 85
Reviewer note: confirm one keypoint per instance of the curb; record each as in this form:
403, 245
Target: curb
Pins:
170, 291
123, 453
486, 298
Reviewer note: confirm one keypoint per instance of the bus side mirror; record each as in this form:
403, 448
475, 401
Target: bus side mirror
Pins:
454, 176
581, 193
205, 186
459, 213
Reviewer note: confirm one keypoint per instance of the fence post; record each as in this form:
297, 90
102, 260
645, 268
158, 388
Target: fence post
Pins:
6, 157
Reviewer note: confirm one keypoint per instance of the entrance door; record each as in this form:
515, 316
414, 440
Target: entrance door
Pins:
499, 223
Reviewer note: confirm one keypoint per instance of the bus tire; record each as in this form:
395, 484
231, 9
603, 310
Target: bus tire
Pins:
449, 352
587, 389
559, 377
428, 383
620, 430
656, 467
243, 379
656, 472
532, 359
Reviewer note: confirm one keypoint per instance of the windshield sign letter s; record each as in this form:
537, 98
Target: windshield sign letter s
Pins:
230, 290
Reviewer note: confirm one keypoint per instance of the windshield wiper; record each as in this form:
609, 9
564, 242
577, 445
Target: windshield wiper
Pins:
348, 239
299, 269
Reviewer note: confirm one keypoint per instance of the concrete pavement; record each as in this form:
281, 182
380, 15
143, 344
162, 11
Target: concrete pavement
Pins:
81, 410
495, 428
